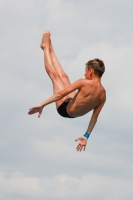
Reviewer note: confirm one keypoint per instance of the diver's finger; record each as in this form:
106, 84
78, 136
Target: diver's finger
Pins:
78, 147
76, 139
84, 148
81, 148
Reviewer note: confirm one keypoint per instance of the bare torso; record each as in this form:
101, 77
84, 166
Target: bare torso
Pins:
88, 97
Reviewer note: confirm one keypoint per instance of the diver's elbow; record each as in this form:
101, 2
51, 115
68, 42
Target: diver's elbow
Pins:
59, 96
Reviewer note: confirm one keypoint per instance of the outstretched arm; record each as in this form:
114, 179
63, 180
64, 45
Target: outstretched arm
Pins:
38, 109
76, 85
94, 117
83, 139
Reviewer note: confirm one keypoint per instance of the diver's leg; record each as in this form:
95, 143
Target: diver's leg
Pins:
53, 74
59, 69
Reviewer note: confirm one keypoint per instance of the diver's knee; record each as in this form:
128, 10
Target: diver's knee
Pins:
55, 75
64, 75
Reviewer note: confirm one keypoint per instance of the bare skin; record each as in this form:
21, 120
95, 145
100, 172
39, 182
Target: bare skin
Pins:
91, 94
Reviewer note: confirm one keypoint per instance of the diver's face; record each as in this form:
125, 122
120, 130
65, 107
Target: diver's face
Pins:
87, 73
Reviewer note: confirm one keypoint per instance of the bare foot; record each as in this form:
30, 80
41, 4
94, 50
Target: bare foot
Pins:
45, 39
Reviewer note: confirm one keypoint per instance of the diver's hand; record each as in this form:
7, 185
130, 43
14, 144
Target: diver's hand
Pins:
36, 109
82, 143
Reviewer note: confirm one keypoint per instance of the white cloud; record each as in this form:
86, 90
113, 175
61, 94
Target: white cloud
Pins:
63, 186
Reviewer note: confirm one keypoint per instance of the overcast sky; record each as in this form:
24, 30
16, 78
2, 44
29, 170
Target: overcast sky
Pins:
38, 157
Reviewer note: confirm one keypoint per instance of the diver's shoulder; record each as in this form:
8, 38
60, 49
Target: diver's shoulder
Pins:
104, 94
84, 81
89, 82
104, 90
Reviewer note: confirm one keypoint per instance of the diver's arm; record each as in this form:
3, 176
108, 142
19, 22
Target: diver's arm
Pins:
56, 97
94, 117
83, 139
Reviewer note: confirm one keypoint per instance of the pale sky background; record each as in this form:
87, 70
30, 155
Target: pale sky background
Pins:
38, 157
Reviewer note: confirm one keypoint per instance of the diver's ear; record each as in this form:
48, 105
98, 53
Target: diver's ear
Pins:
91, 71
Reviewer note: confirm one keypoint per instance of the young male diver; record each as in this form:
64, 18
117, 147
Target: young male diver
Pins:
90, 94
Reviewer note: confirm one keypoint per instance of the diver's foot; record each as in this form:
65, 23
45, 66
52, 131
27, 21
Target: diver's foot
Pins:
45, 40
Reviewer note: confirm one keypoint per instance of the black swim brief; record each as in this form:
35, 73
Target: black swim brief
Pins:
62, 109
